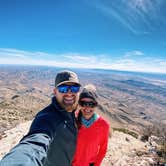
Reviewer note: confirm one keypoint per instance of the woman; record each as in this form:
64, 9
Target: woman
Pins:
93, 131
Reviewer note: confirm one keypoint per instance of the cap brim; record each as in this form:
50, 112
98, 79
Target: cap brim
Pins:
68, 82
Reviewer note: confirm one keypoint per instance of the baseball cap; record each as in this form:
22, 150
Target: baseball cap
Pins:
66, 76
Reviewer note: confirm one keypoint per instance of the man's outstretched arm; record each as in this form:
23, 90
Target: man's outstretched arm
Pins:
31, 151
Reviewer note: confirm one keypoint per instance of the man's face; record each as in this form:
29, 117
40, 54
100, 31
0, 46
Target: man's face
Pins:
68, 100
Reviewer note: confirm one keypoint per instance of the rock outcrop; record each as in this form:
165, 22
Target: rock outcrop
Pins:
123, 149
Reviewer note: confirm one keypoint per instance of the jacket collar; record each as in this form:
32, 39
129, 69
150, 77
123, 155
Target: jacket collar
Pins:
69, 115
56, 104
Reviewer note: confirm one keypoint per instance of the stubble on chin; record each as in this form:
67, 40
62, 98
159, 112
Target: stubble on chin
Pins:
68, 107
71, 108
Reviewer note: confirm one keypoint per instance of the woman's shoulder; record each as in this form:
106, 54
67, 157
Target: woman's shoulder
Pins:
103, 122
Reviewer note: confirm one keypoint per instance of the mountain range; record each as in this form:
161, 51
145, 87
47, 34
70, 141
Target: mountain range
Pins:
127, 99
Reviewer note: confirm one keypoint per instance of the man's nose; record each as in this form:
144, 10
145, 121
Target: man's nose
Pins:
69, 91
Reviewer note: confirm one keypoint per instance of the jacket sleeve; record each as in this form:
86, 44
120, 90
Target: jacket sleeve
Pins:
103, 146
32, 149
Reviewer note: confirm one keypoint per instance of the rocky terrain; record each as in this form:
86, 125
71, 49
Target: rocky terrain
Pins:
123, 149
131, 101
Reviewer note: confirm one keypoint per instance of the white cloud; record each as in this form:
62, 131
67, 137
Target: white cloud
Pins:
133, 53
163, 63
10, 52
15, 52
78, 60
78, 57
139, 16
113, 11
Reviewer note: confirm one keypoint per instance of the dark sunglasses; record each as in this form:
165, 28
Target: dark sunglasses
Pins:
65, 88
88, 104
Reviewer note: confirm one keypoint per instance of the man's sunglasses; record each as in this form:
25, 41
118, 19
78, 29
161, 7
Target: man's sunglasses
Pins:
65, 88
88, 104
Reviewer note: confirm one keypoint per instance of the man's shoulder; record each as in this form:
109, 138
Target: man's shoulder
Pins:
47, 110
45, 121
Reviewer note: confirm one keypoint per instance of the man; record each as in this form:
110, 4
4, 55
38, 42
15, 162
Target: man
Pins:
51, 139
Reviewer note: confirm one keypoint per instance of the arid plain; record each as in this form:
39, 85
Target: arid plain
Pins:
130, 101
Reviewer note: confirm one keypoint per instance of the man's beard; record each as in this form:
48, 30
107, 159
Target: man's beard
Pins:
68, 107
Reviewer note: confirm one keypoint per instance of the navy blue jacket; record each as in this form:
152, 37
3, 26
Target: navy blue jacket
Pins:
50, 141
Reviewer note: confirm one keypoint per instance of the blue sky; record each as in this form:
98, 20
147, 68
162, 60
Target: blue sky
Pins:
110, 34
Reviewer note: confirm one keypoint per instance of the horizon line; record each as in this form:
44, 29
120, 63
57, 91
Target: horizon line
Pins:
86, 68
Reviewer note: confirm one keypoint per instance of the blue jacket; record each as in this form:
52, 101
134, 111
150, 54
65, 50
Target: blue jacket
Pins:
50, 141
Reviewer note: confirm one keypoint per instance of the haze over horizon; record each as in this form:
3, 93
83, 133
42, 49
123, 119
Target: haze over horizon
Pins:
103, 34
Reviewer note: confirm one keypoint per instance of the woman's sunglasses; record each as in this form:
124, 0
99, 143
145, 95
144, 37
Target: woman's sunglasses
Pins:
87, 104
65, 88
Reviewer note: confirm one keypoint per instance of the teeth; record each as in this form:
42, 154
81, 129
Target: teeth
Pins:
69, 100
87, 111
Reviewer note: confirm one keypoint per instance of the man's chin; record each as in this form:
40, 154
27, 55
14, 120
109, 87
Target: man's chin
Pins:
70, 107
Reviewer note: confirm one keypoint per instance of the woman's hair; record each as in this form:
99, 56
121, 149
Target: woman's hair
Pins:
79, 119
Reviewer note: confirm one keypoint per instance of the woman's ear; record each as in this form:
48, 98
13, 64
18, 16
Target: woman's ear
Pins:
78, 109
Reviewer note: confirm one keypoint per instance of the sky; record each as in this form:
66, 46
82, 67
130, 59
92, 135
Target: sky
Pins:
125, 35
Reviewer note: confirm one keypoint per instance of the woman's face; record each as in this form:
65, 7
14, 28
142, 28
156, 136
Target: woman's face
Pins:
87, 106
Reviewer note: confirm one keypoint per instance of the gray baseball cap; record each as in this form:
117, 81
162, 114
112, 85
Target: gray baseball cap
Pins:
66, 76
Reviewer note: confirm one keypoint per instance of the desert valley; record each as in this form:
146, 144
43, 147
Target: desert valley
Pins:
133, 103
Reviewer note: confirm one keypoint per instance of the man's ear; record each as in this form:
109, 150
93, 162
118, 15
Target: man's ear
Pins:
54, 90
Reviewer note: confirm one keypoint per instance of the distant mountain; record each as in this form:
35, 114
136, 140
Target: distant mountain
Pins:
128, 99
